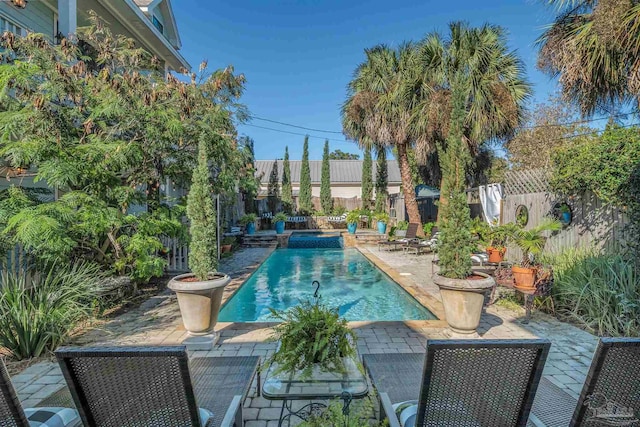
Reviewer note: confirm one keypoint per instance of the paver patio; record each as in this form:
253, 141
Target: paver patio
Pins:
157, 321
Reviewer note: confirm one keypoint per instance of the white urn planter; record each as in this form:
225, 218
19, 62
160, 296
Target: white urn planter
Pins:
463, 300
199, 303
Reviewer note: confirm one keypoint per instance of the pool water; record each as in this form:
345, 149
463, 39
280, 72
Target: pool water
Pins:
348, 281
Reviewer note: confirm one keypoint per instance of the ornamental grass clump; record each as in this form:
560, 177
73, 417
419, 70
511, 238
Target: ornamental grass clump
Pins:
38, 311
203, 249
311, 334
600, 292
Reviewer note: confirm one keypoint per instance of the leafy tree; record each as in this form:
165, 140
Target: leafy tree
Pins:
593, 46
381, 101
341, 155
305, 203
287, 191
325, 182
273, 190
382, 175
550, 126
107, 132
203, 250
491, 80
367, 180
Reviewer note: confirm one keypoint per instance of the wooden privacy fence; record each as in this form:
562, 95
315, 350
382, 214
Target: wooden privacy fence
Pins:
593, 224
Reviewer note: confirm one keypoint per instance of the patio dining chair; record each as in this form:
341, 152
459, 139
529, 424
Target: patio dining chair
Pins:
13, 415
464, 383
410, 236
152, 386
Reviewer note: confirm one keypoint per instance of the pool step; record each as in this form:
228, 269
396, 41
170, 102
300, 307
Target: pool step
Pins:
260, 241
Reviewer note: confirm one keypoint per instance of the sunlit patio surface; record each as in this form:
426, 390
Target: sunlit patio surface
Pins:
157, 321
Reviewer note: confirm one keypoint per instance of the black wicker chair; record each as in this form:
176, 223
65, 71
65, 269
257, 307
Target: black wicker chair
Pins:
152, 386
13, 415
464, 382
611, 393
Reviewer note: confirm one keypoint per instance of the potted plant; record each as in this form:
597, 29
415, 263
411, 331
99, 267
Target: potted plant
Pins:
227, 244
200, 292
531, 243
280, 218
401, 228
352, 221
462, 290
565, 214
249, 222
312, 337
382, 218
496, 238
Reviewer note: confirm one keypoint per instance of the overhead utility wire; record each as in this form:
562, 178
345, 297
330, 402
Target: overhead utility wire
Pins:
296, 133
295, 126
521, 128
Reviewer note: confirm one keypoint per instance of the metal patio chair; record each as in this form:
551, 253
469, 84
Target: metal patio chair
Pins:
152, 386
464, 382
13, 415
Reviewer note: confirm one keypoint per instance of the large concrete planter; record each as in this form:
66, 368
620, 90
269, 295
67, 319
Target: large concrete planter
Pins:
463, 300
199, 301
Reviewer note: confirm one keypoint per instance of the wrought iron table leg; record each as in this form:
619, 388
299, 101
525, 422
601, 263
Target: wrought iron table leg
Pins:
528, 305
303, 413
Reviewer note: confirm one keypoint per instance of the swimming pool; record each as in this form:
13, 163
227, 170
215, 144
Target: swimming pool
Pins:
348, 281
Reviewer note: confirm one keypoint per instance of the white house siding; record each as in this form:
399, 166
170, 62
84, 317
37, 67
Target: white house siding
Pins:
36, 17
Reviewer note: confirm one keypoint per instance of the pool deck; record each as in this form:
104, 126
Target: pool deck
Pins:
157, 321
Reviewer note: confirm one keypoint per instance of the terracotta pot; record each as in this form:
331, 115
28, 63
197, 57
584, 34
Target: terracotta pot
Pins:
496, 254
225, 248
524, 278
463, 300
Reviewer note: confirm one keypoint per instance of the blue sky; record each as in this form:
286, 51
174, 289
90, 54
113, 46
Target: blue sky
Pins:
298, 56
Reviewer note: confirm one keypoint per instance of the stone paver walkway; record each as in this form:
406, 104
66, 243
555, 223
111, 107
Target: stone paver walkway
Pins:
158, 322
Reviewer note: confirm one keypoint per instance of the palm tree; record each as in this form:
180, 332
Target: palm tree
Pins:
593, 46
381, 100
474, 70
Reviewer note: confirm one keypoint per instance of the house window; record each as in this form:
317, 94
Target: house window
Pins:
158, 24
8, 25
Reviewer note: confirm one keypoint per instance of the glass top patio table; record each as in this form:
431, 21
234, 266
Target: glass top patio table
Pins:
319, 385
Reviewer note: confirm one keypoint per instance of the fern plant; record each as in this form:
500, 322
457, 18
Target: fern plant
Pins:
311, 334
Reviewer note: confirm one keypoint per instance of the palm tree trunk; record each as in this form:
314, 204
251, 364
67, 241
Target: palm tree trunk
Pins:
408, 187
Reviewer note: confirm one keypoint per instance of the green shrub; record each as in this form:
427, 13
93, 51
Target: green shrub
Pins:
38, 313
402, 225
428, 227
248, 219
381, 216
601, 292
353, 216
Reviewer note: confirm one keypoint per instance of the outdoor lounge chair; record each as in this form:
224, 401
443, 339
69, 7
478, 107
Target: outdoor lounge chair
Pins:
152, 386
421, 246
13, 415
464, 382
412, 230
611, 393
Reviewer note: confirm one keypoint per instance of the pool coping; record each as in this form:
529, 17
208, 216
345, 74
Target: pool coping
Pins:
424, 298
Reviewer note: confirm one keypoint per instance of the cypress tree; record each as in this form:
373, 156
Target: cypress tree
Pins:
287, 192
273, 191
381, 180
203, 249
305, 203
367, 180
325, 184
455, 247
